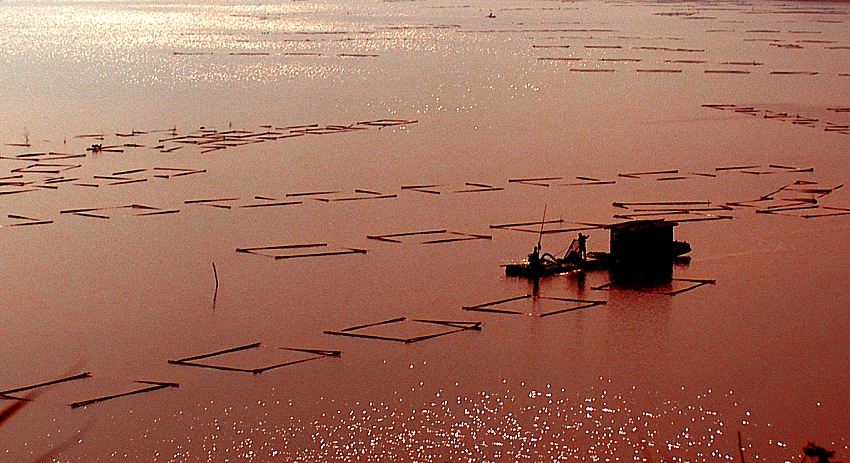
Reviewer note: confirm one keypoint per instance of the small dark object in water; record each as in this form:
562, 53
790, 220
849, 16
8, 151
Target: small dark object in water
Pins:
814, 451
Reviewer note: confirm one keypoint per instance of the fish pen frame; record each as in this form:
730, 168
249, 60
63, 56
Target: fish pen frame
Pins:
260, 251
191, 361
458, 326
487, 306
696, 283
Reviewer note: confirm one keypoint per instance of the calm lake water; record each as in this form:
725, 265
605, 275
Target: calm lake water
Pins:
237, 125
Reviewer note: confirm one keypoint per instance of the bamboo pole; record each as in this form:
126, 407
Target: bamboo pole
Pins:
154, 386
322, 254
369, 325
500, 301
216, 353
45, 383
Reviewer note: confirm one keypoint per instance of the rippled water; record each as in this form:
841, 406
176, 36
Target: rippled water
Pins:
350, 120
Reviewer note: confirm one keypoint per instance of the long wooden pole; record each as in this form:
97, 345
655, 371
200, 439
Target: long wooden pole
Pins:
542, 222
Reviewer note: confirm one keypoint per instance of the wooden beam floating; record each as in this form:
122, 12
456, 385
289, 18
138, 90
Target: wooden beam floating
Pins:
391, 236
522, 224
322, 254
7, 393
281, 247
272, 204
628, 204
479, 188
648, 173
458, 236
534, 181
213, 200
153, 386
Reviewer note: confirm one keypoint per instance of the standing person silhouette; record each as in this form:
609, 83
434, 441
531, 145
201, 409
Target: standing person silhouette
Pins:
582, 246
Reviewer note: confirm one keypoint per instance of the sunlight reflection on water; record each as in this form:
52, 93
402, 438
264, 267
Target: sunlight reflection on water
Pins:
512, 423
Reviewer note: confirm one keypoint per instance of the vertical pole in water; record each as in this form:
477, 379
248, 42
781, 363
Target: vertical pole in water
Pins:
215, 294
741, 447
542, 222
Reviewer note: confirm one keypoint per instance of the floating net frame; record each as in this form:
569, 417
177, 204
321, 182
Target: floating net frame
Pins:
491, 306
454, 326
192, 361
620, 285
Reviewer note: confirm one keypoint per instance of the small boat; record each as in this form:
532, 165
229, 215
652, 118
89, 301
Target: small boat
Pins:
575, 259
637, 247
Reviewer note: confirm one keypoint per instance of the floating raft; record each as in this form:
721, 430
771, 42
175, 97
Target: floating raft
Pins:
192, 361
450, 327
693, 284
268, 251
574, 304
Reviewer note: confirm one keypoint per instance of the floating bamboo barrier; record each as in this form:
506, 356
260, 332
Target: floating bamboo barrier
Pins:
367, 192
16, 191
163, 212
535, 181
280, 247
27, 221
127, 182
591, 70
479, 188
522, 224
312, 193
459, 237
91, 215
794, 73
153, 386
628, 204
60, 180
588, 181
7, 394
272, 204
678, 50
46, 168
648, 173
660, 71
127, 172
582, 304
391, 236
725, 71
193, 361
695, 283
361, 198
323, 254
422, 188
838, 212
456, 327
490, 306
206, 201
